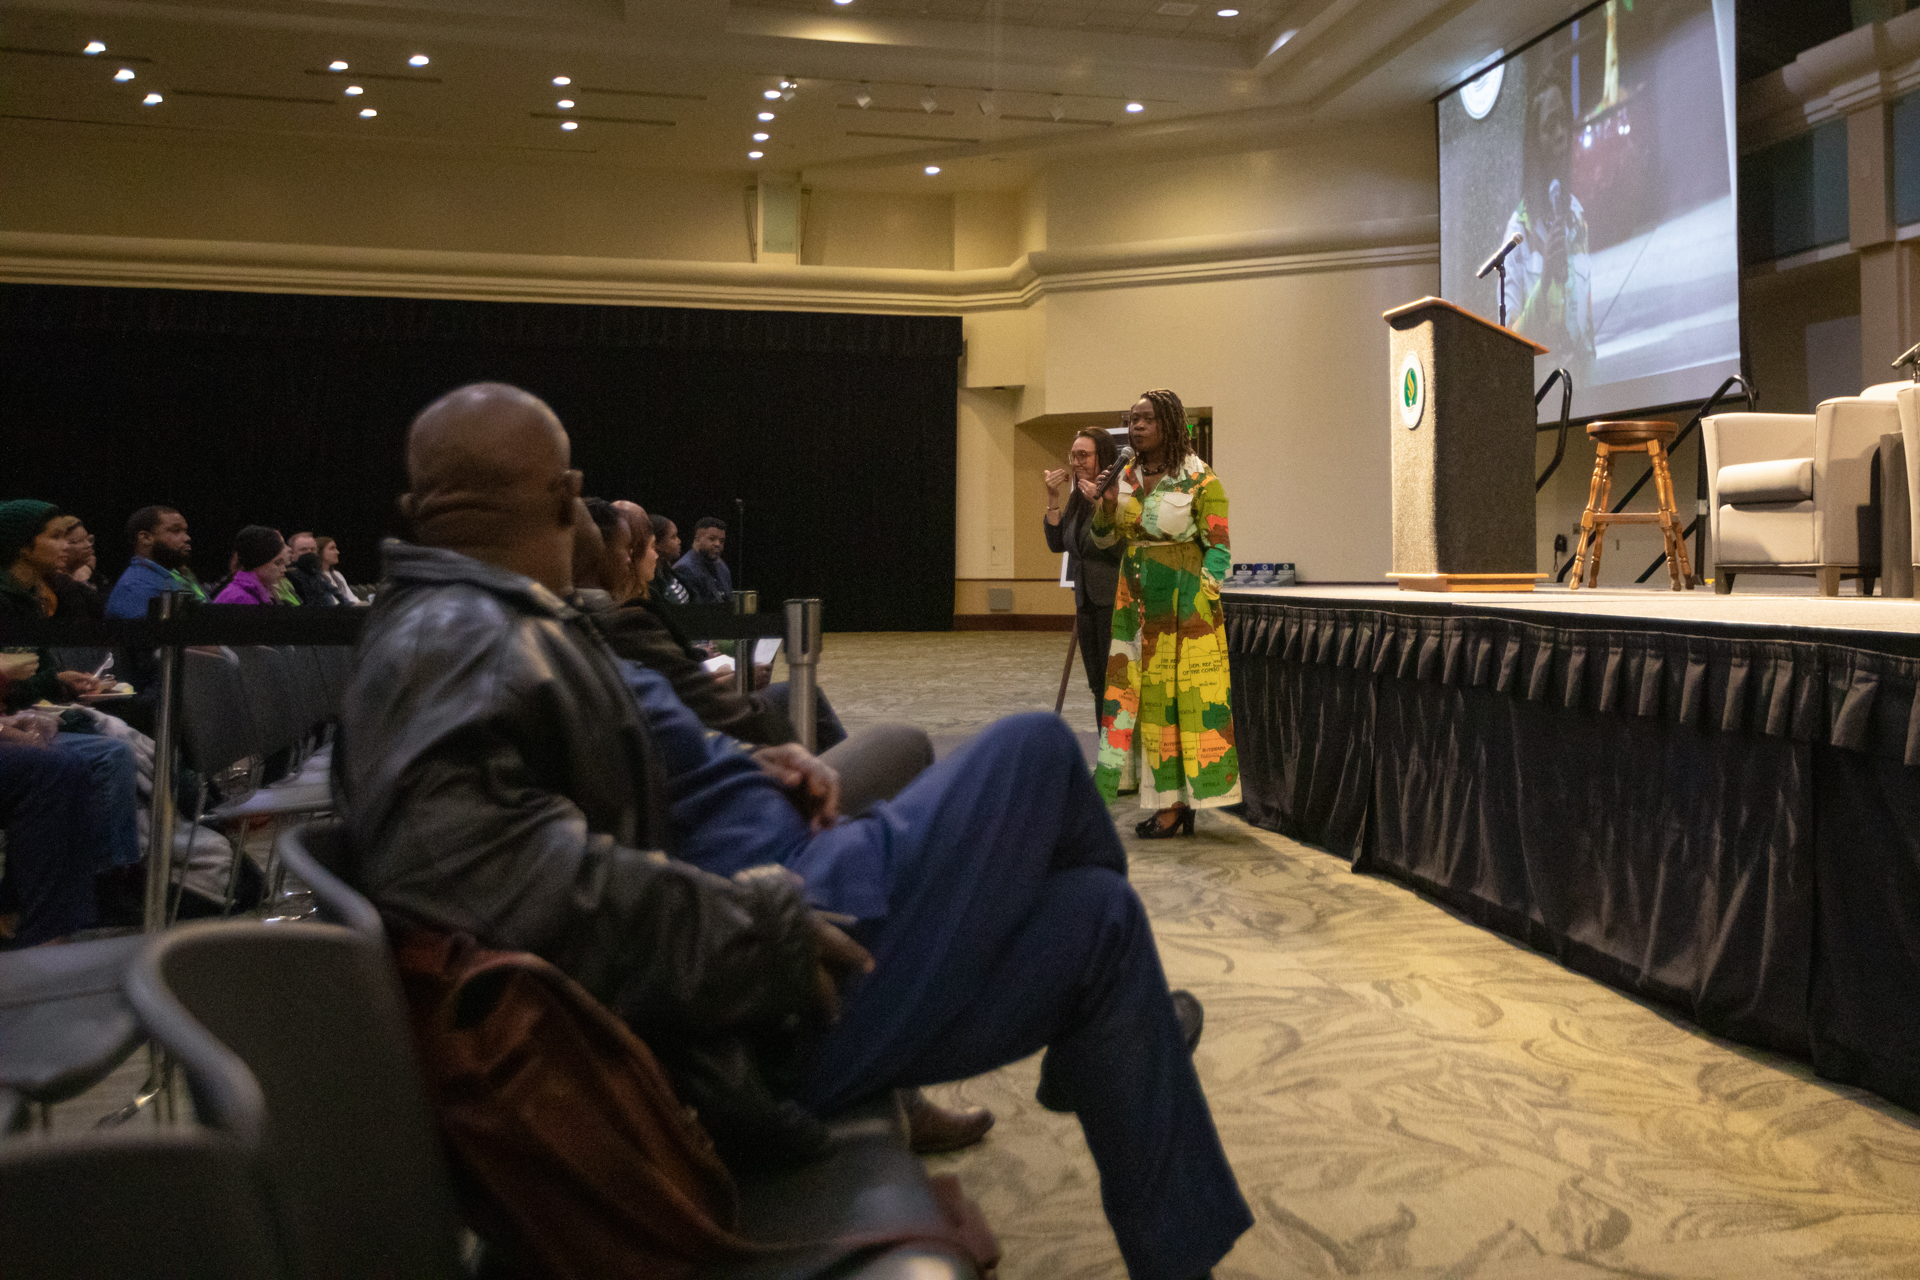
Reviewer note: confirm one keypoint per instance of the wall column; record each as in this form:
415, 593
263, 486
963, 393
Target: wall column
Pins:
1889, 275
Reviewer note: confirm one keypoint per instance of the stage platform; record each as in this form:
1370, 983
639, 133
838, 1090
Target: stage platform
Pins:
1845, 612
1710, 801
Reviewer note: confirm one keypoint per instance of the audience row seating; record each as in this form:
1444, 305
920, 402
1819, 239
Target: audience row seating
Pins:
246, 711
64, 1024
318, 1156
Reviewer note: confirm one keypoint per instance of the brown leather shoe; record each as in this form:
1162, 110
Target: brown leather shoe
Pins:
932, 1129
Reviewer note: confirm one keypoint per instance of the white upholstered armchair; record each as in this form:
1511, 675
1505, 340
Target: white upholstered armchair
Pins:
1786, 489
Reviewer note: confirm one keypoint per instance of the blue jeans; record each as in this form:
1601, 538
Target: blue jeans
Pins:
1011, 927
112, 823
44, 807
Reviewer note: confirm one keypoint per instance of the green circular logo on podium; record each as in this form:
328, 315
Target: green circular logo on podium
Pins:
1410, 390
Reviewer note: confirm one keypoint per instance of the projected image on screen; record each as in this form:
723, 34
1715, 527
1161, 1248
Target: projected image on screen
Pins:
1604, 146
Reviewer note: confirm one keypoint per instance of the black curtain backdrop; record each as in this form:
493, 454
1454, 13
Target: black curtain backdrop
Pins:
290, 410
1722, 818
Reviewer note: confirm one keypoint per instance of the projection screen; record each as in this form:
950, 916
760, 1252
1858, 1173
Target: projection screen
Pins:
1606, 145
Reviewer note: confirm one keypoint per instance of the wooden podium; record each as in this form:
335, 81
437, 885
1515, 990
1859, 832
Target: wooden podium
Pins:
1462, 418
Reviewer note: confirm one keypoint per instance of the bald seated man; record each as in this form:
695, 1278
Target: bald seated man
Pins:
500, 778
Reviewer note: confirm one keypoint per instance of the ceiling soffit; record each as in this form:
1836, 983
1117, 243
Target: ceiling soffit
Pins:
880, 88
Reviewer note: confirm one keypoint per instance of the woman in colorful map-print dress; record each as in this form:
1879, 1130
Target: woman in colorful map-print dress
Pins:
1166, 726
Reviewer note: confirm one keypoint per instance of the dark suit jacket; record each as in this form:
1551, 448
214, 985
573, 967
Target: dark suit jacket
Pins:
1096, 570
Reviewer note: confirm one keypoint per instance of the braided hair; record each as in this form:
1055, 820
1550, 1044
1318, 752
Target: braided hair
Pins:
1176, 442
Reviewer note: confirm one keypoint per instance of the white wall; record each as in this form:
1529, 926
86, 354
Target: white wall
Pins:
1331, 178
85, 185
1294, 370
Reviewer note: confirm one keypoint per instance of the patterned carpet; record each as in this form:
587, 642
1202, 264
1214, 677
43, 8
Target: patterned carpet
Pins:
1405, 1095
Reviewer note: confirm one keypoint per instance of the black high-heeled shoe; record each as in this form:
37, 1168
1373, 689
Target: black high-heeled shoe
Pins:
1151, 828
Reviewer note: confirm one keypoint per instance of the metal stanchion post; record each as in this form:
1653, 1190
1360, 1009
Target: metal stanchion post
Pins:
803, 656
744, 602
166, 732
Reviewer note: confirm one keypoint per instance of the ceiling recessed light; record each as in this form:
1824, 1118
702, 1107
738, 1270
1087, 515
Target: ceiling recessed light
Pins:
764, 115
123, 75
761, 137
417, 60
863, 99
770, 94
568, 126
563, 81
1136, 107
354, 91
931, 169
94, 46
153, 99
336, 65
755, 155
789, 84
1226, 13
565, 104
368, 113
843, 1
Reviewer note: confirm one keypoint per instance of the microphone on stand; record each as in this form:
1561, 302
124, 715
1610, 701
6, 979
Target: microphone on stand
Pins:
1106, 478
1498, 262
1499, 256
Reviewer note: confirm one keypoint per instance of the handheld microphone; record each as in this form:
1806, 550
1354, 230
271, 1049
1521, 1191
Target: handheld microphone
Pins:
1500, 255
1106, 478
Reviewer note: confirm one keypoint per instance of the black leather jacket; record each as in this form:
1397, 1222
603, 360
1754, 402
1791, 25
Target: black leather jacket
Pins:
497, 780
641, 631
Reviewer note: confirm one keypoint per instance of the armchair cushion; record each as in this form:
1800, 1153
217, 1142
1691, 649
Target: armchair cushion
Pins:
1781, 480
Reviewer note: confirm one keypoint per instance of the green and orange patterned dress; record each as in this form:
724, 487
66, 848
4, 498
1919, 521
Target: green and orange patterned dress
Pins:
1166, 725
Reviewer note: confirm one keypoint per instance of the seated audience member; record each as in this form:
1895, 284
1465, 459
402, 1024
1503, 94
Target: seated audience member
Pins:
304, 574
78, 595
45, 796
666, 583
32, 550
871, 769
499, 779
261, 560
329, 551
707, 578
644, 632
161, 547
32, 546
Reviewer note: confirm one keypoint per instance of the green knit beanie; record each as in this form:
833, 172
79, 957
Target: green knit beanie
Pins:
20, 523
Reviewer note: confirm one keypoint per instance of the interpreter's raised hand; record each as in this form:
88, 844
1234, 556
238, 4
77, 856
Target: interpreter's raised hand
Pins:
811, 783
18, 666
77, 683
1056, 479
840, 958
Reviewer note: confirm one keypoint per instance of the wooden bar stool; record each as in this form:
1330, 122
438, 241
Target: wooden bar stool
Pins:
1652, 439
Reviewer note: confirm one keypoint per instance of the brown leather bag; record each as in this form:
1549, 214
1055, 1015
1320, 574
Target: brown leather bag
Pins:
573, 1155
571, 1147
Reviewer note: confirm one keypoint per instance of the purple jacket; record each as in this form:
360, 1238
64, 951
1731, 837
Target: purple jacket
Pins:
244, 589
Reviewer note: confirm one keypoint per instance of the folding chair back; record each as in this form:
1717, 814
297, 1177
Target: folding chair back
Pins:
316, 1015
319, 855
216, 731
263, 674
135, 1201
